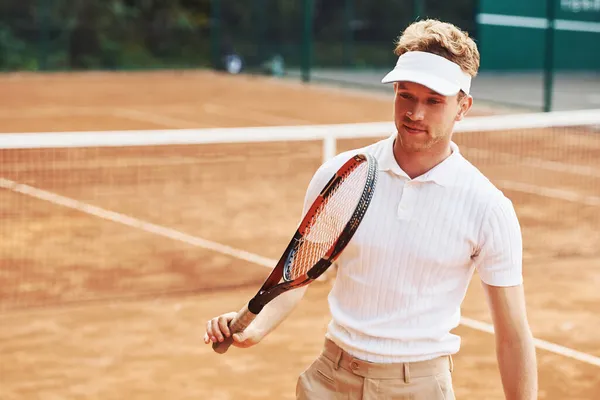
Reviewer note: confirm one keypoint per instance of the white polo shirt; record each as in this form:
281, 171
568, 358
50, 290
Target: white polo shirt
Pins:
404, 274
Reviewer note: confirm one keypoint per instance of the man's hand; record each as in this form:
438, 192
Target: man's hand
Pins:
217, 329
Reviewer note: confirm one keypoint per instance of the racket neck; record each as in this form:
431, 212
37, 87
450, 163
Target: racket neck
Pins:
255, 305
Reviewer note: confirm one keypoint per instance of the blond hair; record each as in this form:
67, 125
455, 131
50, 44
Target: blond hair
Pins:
443, 39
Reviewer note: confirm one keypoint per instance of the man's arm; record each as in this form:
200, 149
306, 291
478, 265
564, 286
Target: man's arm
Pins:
274, 313
515, 349
271, 316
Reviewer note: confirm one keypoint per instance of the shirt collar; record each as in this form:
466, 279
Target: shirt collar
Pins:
444, 174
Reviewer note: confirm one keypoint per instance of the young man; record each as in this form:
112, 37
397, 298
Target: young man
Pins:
433, 220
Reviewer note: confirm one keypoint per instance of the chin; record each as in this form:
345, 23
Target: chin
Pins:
411, 146
411, 143
418, 147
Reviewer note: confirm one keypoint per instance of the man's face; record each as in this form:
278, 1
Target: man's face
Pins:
425, 118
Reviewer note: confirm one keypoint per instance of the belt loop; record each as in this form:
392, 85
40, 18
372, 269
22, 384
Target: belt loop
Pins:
406, 373
451, 363
338, 357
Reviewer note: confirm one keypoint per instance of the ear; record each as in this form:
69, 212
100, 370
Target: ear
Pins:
463, 108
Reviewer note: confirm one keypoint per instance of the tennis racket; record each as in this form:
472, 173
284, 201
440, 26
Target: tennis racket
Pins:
322, 235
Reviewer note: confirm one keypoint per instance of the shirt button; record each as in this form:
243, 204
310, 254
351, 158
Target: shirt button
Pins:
353, 365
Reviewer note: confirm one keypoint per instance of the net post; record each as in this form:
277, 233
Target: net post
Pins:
307, 39
262, 20
329, 147
549, 55
44, 34
215, 32
347, 48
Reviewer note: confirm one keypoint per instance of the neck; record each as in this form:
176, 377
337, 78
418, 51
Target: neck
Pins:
417, 163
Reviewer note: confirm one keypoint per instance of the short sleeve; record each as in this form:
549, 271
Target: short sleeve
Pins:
499, 260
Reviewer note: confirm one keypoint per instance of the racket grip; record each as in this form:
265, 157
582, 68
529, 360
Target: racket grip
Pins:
222, 347
238, 324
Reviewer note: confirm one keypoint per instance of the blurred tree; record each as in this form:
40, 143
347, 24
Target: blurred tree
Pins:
161, 33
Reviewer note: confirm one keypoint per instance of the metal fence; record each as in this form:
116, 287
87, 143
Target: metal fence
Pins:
539, 54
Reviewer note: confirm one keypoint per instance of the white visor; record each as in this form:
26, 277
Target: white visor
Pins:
437, 73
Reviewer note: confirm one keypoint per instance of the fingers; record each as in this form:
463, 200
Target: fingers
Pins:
209, 336
216, 330
223, 323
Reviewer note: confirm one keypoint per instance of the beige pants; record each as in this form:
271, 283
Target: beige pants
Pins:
337, 375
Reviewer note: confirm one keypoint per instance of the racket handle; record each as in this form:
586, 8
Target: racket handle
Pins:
222, 347
239, 323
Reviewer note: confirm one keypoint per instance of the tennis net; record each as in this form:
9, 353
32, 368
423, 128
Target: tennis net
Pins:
102, 216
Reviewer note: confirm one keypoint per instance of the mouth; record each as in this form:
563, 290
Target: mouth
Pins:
413, 130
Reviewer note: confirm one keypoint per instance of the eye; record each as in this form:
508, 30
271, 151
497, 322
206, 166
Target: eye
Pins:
433, 100
405, 95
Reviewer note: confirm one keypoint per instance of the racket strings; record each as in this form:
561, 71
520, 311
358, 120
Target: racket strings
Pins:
329, 221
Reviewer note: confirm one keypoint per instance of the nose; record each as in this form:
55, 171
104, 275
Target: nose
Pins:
417, 113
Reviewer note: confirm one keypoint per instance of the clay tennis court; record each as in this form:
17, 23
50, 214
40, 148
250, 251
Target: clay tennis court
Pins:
113, 258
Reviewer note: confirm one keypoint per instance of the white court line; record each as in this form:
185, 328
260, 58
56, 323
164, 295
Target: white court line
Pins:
134, 222
155, 118
558, 194
144, 116
52, 112
540, 344
236, 253
234, 112
229, 112
136, 115
555, 166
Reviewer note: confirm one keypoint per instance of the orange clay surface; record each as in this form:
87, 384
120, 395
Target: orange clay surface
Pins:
107, 275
